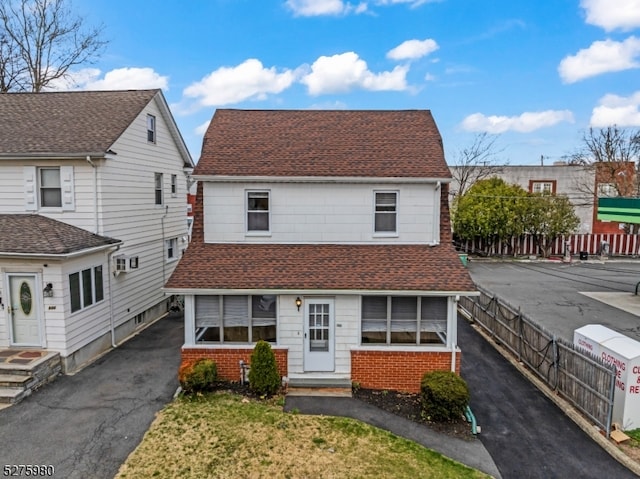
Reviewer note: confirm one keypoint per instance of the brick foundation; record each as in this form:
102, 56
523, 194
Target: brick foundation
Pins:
228, 360
398, 370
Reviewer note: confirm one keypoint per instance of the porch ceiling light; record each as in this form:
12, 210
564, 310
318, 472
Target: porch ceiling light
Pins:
298, 302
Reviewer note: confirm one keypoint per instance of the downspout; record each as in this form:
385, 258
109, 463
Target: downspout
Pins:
112, 322
164, 261
454, 339
95, 194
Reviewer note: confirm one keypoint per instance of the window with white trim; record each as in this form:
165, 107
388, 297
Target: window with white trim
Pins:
86, 287
235, 319
404, 320
258, 211
158, 188
171, 248
151, 128
50, 187
607, 190
386, 212
174, 185
542, 187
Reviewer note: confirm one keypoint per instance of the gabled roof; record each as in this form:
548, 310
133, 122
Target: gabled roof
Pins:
325, 267
35, 235
323, 143
74, 123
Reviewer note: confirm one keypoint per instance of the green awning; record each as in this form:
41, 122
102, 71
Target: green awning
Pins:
622, 210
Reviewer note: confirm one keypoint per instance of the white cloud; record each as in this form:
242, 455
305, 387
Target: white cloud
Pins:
525, 123
412, 3
249, 80
601, 57
344, 72
617, 110
202, 129
118, 79
313, 8
413, 49
612, 14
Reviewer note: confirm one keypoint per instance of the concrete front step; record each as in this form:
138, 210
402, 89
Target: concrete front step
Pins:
12, 395
22, 375
319, 382
14, 380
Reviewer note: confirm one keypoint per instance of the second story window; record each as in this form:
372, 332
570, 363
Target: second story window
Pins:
151, 128
174, 185
158, 188
386, 211
50, 189
171, 248
544, 187
257, 211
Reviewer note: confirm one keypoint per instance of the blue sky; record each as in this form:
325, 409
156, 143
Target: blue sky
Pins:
536, 73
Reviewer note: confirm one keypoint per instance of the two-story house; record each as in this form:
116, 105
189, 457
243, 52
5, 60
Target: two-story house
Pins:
93, 217
325, 233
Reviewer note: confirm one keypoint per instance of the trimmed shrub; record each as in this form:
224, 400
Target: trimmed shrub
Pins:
198, 375
444, 396
264, 378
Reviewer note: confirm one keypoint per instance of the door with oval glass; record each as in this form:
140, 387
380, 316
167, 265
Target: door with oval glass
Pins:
319, 341
24, 311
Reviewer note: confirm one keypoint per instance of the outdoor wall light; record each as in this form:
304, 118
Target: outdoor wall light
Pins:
48, 291
298, 302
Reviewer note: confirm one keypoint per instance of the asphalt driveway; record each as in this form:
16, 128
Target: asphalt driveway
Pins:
87, 424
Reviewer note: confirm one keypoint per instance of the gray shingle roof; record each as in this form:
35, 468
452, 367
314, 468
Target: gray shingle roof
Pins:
67, 123
295, 143
39, 235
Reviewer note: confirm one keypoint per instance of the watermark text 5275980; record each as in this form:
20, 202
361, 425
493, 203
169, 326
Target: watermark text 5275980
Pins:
27, 470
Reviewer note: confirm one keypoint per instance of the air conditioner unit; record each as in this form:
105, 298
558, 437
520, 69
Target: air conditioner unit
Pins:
124, 264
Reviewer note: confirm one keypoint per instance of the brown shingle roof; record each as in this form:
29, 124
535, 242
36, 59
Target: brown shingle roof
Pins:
39, 235
322, 266
67, 123
296, 143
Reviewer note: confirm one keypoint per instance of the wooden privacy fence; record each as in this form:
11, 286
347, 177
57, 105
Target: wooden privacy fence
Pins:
582, 379
592, 244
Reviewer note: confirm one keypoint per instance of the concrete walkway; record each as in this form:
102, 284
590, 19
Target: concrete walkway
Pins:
87, 424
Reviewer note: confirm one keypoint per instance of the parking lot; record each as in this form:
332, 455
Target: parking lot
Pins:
565, 296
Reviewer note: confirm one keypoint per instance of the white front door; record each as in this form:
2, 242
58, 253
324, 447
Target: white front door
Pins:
24, 311
319, 341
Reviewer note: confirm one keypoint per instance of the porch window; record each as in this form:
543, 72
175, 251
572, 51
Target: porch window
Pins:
404, 320
86, 287
235, 319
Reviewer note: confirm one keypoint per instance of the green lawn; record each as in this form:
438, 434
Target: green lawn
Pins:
223, 435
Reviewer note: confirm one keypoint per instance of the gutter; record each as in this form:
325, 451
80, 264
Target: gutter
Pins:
75, 254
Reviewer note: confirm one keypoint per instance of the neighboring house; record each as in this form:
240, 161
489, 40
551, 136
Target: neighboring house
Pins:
93, 217
582, 184
325, 233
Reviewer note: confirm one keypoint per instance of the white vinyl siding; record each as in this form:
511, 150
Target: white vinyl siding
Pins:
320, 213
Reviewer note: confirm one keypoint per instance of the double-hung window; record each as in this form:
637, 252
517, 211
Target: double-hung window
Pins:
86, 288
404, 320
151, 128
174, 185
171, 247
50, 188
386, 212
258, 211
235, 319
158, 188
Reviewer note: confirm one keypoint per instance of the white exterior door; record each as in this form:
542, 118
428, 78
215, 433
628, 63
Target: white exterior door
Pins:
24, 311
319, 341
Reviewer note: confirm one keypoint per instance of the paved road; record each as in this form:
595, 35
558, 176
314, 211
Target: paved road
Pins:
525, 433
87, 424
554, 295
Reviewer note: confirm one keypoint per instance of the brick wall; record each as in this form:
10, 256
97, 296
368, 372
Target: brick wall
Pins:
397, 370
228, 360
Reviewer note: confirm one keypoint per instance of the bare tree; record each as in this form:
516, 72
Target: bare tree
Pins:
476, 162
611, 153
40, 40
